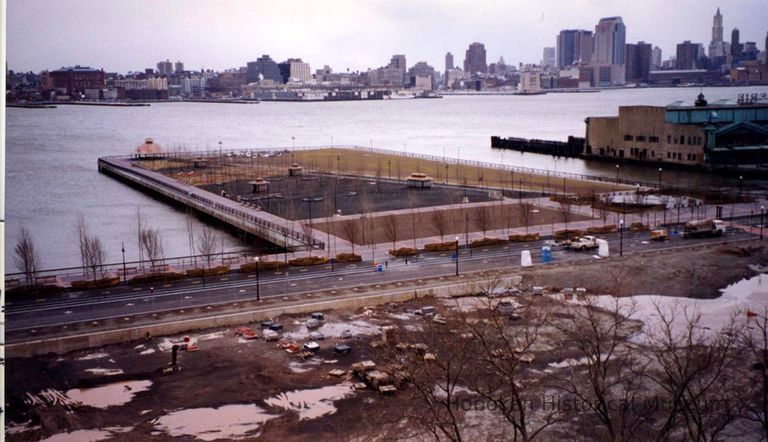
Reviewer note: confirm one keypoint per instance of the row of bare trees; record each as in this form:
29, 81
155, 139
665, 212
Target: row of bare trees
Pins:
614, 381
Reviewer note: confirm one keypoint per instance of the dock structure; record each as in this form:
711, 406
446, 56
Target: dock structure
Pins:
280, 231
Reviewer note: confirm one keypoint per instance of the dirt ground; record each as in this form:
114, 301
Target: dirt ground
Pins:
228, 372
454, 221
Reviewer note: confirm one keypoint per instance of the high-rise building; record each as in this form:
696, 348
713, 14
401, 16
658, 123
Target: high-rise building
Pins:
608, 54
178, 67
264, 67
573, 46
736, 47
164, 67
298, 70
656, 58
638, 57
398, 62
449, 61
716, 46
609, 41
422, 70
687, 55
548, 57
474, 59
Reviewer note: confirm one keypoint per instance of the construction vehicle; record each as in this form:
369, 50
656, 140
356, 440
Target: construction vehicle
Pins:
659, 235
582, 243
703, 228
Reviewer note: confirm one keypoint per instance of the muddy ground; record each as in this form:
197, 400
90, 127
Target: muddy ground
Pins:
227, 372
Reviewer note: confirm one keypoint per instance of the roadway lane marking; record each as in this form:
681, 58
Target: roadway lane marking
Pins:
105, 293
68, 312
195, 282
302, 270
224, 279
137, 289
251, 276
130, 304
167, 285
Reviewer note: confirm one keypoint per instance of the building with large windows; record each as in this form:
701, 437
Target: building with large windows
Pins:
681, 133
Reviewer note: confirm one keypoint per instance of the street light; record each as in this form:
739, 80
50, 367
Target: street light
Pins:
621, 237
256, 260
741, 185
220, 154
457, 255
617, 174
293, 142
659, 178
125, 277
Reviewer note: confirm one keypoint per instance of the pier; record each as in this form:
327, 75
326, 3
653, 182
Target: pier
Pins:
571, 148
280, 231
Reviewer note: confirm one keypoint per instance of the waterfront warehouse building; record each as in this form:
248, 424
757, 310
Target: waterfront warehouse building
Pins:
722, 132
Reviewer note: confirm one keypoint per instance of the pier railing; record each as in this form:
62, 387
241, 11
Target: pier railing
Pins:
212, 206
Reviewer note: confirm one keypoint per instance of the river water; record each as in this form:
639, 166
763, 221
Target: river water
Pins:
52, 176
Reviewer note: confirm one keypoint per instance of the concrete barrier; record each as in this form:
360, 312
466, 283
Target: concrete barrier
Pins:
65, 344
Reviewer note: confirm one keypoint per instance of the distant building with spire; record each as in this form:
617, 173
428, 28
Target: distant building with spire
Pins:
717, 47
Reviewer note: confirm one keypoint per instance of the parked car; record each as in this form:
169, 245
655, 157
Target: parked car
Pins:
316, 336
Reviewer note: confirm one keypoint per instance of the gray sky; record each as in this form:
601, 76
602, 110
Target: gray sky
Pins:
123, 35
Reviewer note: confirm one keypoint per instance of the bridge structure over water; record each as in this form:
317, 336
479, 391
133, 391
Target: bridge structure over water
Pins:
292, 235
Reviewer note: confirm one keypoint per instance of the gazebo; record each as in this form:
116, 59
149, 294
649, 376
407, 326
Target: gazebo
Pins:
419, 180
259, 185
149, 147
295, 170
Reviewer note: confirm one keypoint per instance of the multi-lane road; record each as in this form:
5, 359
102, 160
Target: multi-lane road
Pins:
122, 301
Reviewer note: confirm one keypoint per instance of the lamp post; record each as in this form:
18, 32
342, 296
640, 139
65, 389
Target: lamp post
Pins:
659, 178
741, 185
762, 213
258, 295
293, 143
617, 174
457, 255
621, 237
125, 276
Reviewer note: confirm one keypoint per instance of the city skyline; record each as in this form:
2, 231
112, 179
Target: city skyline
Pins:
41, 36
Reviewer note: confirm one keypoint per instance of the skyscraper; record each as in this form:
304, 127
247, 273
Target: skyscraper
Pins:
448, 61
736, 47
656, 58
398, 62
573, 46
548, 57
474, 60
164, 67
638, 57
716, 48
687, 55
608, 53
178, 67
610, 35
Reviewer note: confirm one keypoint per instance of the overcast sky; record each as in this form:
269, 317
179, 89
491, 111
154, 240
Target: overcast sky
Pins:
356, 34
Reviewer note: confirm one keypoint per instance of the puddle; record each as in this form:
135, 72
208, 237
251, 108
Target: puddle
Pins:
87, 435
303, 367
118, 393
227, 422
167, 343
312, 403
104, 371
335, 329
92, 356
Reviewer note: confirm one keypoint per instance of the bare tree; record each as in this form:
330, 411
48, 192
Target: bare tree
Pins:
605, 375
695, 373
525, 213
439, 222
206, 244
565, 210
152, 243
436, 384
482, 217
92, 251
25, 256
501, 376
350, 230
391, 229
754, 340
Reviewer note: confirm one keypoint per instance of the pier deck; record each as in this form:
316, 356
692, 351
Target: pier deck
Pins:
290, 234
